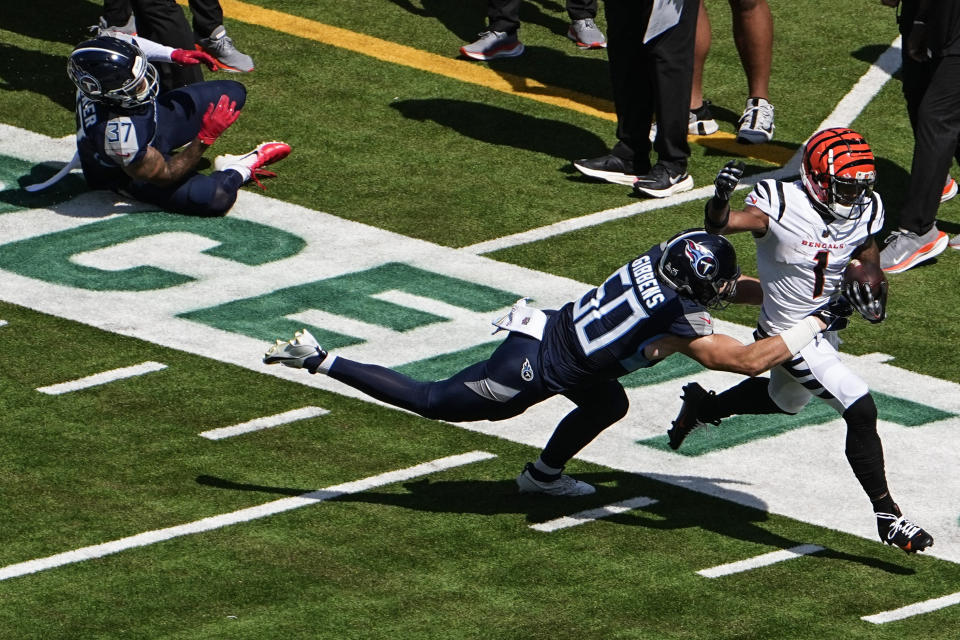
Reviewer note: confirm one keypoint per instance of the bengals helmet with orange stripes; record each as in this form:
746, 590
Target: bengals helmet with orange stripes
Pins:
839, 172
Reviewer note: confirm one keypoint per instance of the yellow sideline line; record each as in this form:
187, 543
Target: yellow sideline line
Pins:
470, 72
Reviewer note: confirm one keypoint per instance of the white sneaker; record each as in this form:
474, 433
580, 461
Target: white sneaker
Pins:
293, 353
700, 123
955, 242
756, 123
562, 486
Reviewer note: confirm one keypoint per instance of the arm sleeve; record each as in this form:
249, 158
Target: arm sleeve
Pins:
694, 322
154, 51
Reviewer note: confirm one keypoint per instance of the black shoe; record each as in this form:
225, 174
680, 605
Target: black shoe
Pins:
609, 167
693, 396
896, 530
659, 183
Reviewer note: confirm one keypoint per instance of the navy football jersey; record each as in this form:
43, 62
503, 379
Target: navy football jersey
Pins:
110, 138
602, 335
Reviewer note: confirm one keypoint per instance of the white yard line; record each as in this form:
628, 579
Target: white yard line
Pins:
760, 561
914, 609
102, 378
242, 515
846, 111
594, 514
267, 422
3, 323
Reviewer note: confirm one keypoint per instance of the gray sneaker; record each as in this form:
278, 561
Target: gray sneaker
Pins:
756, 123
955, 242
103, 29
562, 486
586, 34
493, 44
220, 46
905, 249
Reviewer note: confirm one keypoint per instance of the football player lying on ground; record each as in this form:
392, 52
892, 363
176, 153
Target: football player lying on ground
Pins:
127, 134
650, 308
807, 231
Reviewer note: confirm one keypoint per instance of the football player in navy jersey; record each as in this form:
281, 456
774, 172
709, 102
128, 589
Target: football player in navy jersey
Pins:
650, 308
806, 232
127, 134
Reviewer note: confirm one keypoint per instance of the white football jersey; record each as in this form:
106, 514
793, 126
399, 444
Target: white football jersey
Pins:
801, 258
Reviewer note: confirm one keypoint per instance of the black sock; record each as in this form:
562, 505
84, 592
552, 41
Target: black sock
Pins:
865, 453
748, 397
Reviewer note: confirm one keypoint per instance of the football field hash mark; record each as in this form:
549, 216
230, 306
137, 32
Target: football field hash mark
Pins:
241, 515
267, 422
914, 609
760, 561
594, 514
102, 378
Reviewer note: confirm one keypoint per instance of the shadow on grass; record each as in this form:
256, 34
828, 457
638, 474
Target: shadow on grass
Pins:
504, 127
677, 508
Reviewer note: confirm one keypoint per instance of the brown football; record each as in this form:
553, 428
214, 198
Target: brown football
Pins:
865, 272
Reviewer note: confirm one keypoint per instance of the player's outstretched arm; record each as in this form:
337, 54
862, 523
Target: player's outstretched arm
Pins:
725, 353
717, 216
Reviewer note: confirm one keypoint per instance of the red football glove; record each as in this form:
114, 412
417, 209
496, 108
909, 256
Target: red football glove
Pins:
217, 119
186, 57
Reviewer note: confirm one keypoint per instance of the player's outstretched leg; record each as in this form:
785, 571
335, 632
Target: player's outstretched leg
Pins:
896, 530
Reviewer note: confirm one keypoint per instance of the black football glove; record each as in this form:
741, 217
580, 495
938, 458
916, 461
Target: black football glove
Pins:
727, 180
835, 314
872, 308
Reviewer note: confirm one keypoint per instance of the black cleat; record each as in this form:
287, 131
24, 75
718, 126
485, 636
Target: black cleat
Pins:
687, 421
896, 530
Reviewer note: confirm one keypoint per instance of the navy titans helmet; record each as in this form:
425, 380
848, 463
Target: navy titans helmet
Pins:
113, 71
700, 266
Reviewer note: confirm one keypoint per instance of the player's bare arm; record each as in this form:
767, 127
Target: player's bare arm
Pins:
156, 169
721, 352
868, 252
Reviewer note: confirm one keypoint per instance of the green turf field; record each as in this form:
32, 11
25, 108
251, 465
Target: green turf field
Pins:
423, 196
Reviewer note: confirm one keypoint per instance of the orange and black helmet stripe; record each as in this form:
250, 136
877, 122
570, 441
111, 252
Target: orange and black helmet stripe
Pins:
851, 153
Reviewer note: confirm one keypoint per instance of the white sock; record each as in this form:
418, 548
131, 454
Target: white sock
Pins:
244, 171
542, 467
326, 364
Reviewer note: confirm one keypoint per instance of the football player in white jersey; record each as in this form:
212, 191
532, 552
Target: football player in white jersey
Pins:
806, 232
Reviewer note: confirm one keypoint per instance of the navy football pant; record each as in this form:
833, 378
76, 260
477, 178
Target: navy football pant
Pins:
494, 389
179, 118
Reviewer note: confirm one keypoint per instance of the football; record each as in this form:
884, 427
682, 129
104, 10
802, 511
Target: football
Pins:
866, 273
865, 287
